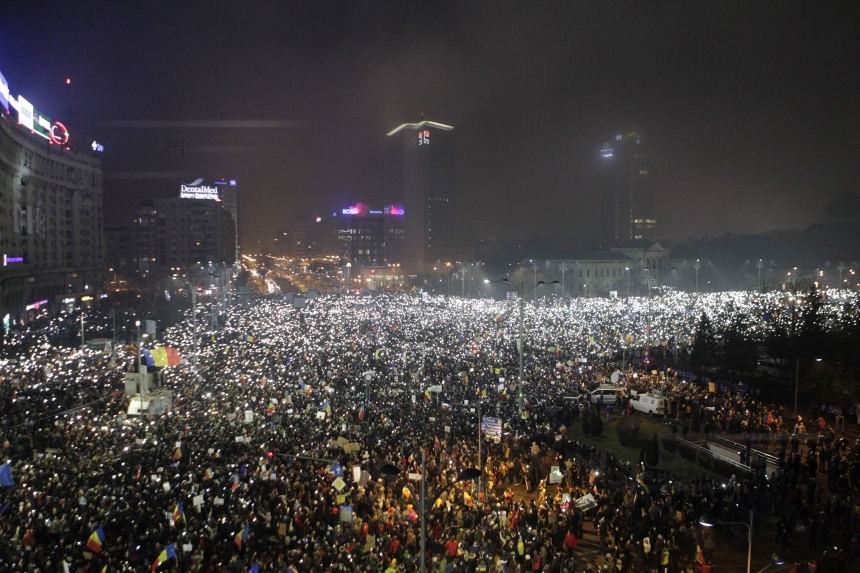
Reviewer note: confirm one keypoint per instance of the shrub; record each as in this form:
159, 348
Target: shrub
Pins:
652, 453
596, 424
628, 430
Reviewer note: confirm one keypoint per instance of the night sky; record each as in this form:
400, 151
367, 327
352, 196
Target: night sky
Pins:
751, 110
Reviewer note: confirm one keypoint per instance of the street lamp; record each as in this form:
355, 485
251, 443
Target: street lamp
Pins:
520, 297
708, 522
775, 559
467, 474
697, 266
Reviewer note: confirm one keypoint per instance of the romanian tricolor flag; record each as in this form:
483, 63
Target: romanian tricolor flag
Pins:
483, 392
177, 454
178, 511
250, 338
208, 474
292, 569
104, 569
96, 540
168, 553
242, 536
271, 409
499, 317
562, 429
376, 354
427, 395
361, 413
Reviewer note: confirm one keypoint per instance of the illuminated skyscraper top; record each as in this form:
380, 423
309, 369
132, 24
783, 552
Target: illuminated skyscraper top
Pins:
420, 174
626, 188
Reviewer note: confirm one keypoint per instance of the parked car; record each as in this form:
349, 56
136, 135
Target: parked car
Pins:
606, 391
650, 403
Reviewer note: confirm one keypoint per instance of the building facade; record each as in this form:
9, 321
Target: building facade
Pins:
50, 218
355, 234
171, 235
626, 187
420, 172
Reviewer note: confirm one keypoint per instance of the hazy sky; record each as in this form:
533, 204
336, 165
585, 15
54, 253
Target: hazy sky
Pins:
751, 110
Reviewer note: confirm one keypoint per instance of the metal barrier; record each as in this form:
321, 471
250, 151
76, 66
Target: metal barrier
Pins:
714, 456
767, 458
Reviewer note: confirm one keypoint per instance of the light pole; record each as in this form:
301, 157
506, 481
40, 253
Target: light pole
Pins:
465, 475
628, 281
697, 266
708, 522
520, 342
83, 342
759, 266
563, 267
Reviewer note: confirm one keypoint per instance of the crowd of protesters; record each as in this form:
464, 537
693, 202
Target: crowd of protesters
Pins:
271, 454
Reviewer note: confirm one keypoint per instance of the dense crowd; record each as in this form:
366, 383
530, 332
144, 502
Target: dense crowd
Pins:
272, 454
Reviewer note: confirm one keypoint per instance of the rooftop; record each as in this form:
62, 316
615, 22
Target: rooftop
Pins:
421, 125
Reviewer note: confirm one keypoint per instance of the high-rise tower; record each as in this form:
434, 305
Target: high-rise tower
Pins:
626, 191
420, 174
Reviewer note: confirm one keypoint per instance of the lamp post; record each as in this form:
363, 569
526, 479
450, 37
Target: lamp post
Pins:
628, 281
465, 475
193, 289
775, 559
697, 266
563, 268
759, 266
707, 522
520, 343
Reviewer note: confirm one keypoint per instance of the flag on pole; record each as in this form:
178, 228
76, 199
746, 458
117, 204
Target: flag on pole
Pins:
173, 356
6, 475
177, 454
250, 338
168, 553
178, 511
242, 536
208, 473
96, 540
159, 356
361, 413
427, 395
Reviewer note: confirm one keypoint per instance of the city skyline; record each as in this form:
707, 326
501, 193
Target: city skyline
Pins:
747, 110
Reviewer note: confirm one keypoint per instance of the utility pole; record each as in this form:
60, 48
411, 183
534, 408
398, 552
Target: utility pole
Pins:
697, 266
562, 280
521, 345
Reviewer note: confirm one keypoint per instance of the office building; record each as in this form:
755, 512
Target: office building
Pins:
50, 212
420, 173
626, 187
356, 234
176, 233
228, 191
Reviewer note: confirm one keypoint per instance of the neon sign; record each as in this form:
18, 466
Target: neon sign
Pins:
97, 146
393, 210
201, 192
36, 305
29, 118
7, 260
59, 133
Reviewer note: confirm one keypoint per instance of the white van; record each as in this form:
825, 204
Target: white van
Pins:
650, 403
607, 392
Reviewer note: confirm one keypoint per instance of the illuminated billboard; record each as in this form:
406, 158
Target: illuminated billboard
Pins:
393, 210
4, 93
30, 118
199, 192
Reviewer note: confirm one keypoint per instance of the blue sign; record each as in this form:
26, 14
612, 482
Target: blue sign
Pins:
492, 427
